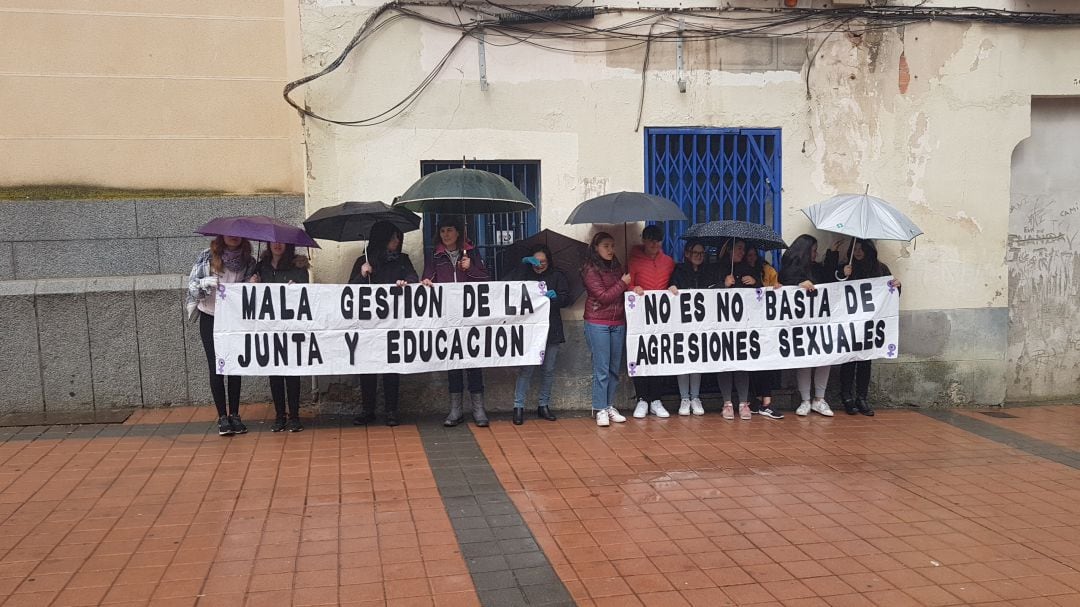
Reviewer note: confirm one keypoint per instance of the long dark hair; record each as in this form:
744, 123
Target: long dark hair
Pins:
543, 248
797, 259
382, 232
288, 258
594, 260
869, 267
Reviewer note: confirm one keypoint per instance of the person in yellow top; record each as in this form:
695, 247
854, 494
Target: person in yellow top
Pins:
763, 382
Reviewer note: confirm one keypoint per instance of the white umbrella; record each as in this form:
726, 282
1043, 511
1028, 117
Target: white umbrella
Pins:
861, 216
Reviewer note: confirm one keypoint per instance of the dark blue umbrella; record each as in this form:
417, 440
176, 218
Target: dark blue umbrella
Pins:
719, 233
257, 227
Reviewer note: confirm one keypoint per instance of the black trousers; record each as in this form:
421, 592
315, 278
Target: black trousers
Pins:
649, 387
762, 383
217, 382
457, 381
855, 379
279, 386
369, 384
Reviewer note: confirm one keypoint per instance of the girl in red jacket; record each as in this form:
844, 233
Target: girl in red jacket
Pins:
605, 324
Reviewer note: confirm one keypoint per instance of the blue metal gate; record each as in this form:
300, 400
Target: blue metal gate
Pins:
714, 174
492, 232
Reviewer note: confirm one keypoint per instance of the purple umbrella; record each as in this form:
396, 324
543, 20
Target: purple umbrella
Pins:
257, 227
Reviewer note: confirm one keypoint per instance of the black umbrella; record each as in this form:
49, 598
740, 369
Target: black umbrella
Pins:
719, 233
623, 207
569, 255
351, 221
463, 192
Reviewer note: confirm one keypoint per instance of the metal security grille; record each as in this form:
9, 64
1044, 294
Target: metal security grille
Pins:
492, 232
714, 174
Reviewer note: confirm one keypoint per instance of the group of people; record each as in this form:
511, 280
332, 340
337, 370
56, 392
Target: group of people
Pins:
649, 268
455, 259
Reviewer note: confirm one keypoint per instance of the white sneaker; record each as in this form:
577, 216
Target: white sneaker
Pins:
822, 407
695, 406
684, 407
615, 416
641, 410
657, 408
602, 418
804, 409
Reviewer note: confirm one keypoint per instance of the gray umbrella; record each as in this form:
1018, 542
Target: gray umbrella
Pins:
351, 221
623, 207
463, 192
861, 216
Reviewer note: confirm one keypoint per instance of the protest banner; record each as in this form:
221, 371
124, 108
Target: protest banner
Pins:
712, 330
318, 329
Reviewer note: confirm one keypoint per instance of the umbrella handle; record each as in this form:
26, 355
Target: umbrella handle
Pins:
839, 276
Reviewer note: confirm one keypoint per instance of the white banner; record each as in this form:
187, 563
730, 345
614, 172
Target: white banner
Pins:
317, 329
712, 330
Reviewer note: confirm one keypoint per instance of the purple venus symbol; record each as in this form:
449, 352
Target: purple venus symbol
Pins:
632, 299
759, 293
633, 368
221, 366
542, 354
221, 291
543, 287
892, 351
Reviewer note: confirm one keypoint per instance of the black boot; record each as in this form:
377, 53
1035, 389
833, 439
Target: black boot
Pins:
366, 417
456, 416
850, 407
478, 413
544, 412
391, 416
519, 416
864, 407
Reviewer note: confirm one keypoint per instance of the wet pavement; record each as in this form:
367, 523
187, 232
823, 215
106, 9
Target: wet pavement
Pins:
938, 507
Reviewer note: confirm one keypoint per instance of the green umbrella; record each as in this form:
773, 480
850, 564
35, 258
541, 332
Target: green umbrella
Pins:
463, 192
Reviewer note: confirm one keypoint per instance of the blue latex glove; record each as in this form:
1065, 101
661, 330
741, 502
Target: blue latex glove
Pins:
551, 294
532, 261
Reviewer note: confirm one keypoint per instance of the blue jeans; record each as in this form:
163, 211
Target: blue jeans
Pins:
606, 344
525, 377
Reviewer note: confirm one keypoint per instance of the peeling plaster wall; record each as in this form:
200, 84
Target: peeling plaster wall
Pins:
926, 115
1044, 256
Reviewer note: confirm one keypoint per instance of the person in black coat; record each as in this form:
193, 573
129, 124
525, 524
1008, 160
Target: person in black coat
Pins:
738, 274
799, 267
855, 375
280, 263
384, 263
540, 266
693, 273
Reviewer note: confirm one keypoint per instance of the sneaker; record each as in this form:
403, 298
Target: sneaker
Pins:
641, 410
804, 409
294, 425
744, 411
729, 411
657, 408
279, 425
822, 407
684, 407
615, 416
769, 413
602, 418
237, 425
695, 407
224, 428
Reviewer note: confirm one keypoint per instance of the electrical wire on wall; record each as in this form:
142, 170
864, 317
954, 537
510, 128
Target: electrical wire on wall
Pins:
557, 30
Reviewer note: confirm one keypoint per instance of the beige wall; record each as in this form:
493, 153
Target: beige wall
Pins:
178, 94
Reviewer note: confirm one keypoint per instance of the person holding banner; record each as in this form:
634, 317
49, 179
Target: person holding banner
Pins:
540, 266
650, 270
693, 273
384, 263
455, 259
739, 275
855, 375
228, 260
280, 263
799, 267
764, 381
605, 324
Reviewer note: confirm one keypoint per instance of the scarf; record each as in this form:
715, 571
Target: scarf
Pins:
233, 260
